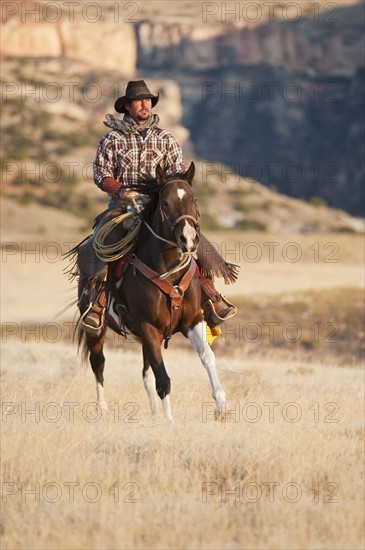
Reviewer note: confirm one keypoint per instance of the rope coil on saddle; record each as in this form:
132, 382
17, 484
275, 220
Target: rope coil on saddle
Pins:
112, 252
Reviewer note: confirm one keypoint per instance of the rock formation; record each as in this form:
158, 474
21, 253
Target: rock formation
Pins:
282, 95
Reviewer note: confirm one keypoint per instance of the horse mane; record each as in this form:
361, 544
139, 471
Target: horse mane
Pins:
151, 186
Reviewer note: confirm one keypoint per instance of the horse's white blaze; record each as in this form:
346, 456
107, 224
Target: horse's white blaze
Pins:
198, 339
181, 193
150, 387
167, 407
189, 234
100, 396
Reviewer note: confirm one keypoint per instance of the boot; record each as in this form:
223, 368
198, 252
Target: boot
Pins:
92, 321
215, 307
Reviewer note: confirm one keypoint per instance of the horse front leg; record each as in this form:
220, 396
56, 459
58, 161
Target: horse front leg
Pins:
198, 339
149, 384
151, 341
97, 361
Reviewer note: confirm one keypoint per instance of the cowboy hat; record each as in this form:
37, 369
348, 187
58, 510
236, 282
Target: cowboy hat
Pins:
136, 89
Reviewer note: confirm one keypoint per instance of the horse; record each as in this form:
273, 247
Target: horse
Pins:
159, 291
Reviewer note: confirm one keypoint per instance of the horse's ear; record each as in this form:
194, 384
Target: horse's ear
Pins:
190, 173
159, 173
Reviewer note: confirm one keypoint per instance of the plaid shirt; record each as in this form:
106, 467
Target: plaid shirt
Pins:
127, 156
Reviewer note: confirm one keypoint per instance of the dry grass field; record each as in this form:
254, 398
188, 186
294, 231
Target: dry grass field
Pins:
285, 471
75, 478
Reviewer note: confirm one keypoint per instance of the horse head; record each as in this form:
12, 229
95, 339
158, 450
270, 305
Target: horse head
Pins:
179, 208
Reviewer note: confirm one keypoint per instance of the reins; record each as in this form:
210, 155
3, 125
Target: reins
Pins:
159, 236
113, 252
185, 256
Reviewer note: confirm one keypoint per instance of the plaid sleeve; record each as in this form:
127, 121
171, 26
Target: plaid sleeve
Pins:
174, 159
105, 161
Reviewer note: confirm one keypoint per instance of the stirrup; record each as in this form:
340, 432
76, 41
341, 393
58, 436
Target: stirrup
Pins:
95, 331
215, 317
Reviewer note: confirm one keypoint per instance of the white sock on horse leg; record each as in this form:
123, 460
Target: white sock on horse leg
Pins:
150, 387
100, 396
198, 339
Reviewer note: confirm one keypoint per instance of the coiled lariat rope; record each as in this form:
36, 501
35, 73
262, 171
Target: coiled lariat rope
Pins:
113, 252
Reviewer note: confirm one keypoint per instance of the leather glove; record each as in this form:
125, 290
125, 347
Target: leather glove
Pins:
129, 194
111, 186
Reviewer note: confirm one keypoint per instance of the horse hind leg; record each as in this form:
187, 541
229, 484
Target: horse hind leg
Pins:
150, 385
152, 341
97, 361
197, 337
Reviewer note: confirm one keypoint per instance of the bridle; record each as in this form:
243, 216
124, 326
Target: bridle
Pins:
184, 217
173, 224
185, 256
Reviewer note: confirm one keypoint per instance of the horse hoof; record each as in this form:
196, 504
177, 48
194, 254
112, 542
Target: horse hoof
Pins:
220, 416
157, 417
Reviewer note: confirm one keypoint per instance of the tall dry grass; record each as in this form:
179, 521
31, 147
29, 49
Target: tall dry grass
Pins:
126, 482
298, 484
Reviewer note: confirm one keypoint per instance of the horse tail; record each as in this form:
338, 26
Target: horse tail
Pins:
82, 347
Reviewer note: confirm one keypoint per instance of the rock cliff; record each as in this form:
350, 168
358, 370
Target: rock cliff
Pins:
281, 102
37, 29
298, 47
278, 93
317, 42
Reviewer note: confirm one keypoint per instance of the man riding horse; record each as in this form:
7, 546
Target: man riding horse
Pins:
134, 147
